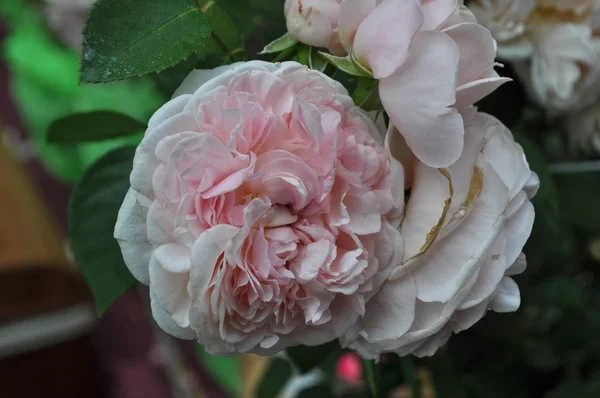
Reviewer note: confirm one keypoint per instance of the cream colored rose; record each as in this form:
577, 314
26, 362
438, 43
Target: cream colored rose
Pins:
464, 230
554, 46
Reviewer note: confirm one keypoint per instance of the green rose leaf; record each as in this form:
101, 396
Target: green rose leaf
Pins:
225, 38
127, 38
303, 55
283, 43
316, 61
93, 210
275, 378
347, 64
366, 94
92, 127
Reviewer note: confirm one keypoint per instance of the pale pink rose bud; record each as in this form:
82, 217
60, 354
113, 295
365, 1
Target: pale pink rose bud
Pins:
554, 46
464, 230
314, 22
263, 211
432, 59
349, 369
67, 19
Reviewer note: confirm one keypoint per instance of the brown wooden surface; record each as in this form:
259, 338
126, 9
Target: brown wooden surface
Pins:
28, 235
35, 275
35, 279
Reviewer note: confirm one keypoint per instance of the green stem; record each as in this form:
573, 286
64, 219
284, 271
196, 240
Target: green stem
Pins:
215, 37
372, 376
409, 377
223, 46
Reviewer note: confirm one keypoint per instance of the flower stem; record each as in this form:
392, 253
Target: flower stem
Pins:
575, 167
372, 376
409, 377
203, 9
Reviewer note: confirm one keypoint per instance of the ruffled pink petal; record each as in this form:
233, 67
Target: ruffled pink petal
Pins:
232, 181
477, 50
518, 267
198, 77
449, 261
174, 257
507, 298
352, 14
506, 156
207, 249
362, 210
145, 162
491, 272
130, 232
470, 93
418, 97
169, 110
437, 12
165, 321
384, 38
391, 312
431, 318
315, 256
518, 229
170, 289
424, 209
476, 75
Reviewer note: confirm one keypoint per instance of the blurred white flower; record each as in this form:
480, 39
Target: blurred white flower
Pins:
67, 19
554, 46
583, 129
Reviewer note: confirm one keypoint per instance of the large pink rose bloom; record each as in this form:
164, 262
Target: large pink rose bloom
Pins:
464, 230
263, 209
432, 59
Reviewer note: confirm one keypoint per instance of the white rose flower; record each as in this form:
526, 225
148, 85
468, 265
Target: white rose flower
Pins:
553, 44
464, 231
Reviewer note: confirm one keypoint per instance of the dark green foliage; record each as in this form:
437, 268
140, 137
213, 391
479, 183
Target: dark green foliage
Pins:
580, 196
93, 210
306, 358
258, 21
320, 391
275, 378
128, 38
93, 126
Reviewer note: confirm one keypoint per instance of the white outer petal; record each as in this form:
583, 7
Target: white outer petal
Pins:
130, 233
